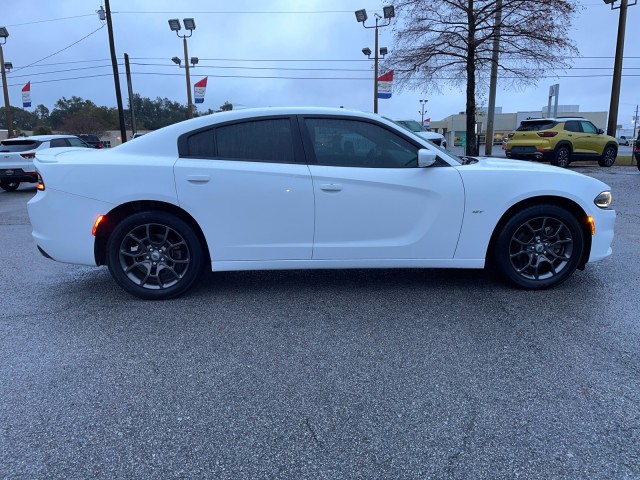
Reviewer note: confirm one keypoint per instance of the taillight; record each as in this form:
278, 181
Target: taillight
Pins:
100, 145
40, 186
28, 155
547, 134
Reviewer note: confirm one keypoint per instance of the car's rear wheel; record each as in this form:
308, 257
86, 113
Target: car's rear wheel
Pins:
562, 158
9, 185
539, 247
154, 255
608, 156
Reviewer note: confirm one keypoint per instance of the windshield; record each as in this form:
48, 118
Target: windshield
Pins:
411, 125
18, 145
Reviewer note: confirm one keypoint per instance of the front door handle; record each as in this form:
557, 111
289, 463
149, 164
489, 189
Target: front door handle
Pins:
198, 178
331, 187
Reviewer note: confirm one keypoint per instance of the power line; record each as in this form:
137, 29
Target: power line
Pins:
61, 50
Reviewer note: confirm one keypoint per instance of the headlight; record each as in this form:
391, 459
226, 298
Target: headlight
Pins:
603, 200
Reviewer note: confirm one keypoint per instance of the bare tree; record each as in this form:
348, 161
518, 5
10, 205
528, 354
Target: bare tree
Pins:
79, 124
450, 42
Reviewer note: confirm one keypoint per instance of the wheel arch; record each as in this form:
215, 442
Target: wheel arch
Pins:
564, 143
610, 144
569, 205
118, 214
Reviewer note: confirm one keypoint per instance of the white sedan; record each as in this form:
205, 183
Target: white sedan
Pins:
300, 188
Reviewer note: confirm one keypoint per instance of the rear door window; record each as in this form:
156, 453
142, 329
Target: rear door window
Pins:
263, 140
572, 126
58, 142
76, 142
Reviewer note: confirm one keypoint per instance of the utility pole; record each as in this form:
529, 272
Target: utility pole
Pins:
116, 75
635, 123
494, 80
5, 87
617, 70
132, 110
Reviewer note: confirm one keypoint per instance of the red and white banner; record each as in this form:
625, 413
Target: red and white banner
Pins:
199, 89
385, 84
26, 95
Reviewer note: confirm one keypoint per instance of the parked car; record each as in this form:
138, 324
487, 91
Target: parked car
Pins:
623, 140
562, 140
418, 129
17, 154
92, 140
309, 188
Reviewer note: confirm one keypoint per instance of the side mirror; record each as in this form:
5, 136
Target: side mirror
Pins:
426, 158
600, 131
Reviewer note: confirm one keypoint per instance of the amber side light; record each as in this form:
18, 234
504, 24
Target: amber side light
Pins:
40, 186
96, 224
592, 224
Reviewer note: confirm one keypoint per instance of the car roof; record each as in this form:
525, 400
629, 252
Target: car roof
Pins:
40, 138
552, 119
165, 138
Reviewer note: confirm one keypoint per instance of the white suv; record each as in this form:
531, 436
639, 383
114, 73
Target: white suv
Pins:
418, 129
17, 154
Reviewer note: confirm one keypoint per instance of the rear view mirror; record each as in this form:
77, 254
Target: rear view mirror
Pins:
426, 158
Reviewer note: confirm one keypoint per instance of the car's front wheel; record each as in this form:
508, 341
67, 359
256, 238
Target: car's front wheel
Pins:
608, 157
562, 157
9, 185
539, 247
154, 255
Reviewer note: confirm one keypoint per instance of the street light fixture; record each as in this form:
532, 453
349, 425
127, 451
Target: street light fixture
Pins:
189, 24
361, 16
423, 104
8, 66
4, 34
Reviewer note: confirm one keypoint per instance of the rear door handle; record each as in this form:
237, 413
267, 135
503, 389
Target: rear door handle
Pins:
331, 187
198, 178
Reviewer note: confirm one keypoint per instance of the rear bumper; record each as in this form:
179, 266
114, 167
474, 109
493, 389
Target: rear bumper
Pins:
62, 225
19, 176
544, 155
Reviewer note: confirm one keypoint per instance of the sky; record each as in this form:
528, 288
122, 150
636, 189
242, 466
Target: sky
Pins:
259, 53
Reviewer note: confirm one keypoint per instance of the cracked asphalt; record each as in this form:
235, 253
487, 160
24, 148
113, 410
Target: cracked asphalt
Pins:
388, 374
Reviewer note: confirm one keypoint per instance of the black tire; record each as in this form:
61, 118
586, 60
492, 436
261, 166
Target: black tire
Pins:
9, 185
608, 157
539, 247
562, 157
154, 255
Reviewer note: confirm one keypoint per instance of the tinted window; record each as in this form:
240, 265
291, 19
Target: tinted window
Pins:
265, 140
353, 143
18, 145
535, 126
589, 127
76, 142
572, 126
201, 145
58, 142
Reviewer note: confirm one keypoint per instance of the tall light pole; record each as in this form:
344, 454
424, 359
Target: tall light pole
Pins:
4, 33
423, 104
189, 24
617, 67
361, 16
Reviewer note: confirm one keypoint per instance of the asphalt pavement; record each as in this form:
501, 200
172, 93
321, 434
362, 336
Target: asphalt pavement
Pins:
388, 374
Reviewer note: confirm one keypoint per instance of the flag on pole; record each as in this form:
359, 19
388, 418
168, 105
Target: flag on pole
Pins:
385, 84
26, 95
198, 90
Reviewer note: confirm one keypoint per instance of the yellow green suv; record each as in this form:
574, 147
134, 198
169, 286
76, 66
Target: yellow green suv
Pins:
560, 141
